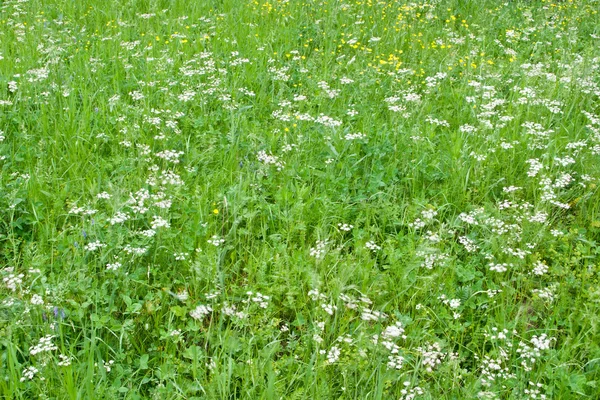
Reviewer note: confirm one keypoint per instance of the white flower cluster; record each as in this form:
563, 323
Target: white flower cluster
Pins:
180, 256
37, 300
114, 266
372, 246
431, 260
534, 391
319, 250
469, 244
138, 251
547, 294
432, 356
82, 210
13, 280
93, 246
269, 159
539, 268
372, 315
44, 345
231, 311
345, 227
216, 241
499, 267
530, 354
428, 215
355, 136
136, 201
329, 308
103, 195
386, 340
65, 361
333, 355
200, 312
118, 218
261, 299
159, 222
409, 393
29, 373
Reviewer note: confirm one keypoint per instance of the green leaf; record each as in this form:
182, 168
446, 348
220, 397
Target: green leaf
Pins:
144, 361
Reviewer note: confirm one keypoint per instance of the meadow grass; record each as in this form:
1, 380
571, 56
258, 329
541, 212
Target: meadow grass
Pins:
341, 199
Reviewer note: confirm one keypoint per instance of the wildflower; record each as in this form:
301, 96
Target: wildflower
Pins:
65, 361
345, 227
539, 268
118, 218
103, 195
159, 222
44, 345
432, 356
501, 267
333, 355
29, 373
93, 246
262, 300
372, 246
36, 299
216, 241
13, 280
200, 312
319, 250
114, 266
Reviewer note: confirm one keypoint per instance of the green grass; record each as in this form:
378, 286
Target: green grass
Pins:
299, 199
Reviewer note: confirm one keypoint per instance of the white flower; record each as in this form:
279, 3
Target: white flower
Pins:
170, 155
180, 256
319, 250
108, 365
355, 136
469, 244
29, 373
395, 361
454, 303
158, 222
103, 195
44, 345
136, 95
333, 355
269, 159
345, 227
261, 299
118, 218
372, 315
432, 356
200, 312
114, 266
36, 299
329, 308
501, 267
216, 241
394, 331
13, 280
539, 268
93, 246
65, 361
372, 246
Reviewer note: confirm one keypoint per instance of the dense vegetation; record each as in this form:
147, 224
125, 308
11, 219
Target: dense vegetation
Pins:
342, 199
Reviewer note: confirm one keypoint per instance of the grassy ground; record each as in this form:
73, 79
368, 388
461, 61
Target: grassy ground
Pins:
234, 199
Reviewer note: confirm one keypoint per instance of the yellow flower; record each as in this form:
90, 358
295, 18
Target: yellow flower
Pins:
215, 211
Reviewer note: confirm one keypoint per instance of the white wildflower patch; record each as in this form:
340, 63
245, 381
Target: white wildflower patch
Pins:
336, 199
